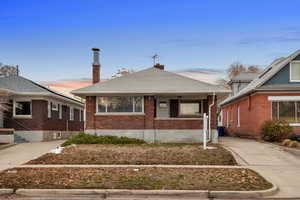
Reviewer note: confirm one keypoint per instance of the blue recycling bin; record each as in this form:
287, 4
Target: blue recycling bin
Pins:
221, 130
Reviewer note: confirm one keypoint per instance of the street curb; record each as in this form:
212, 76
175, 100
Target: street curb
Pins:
114, 193
6, 191
243, 194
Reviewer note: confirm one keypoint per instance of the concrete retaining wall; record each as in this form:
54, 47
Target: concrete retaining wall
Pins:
179, 135
39, 136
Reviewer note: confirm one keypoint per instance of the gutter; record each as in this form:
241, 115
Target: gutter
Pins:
209, 117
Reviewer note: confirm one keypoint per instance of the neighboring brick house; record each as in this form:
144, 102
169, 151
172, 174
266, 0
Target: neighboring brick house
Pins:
273, 94
36, 113
152, 104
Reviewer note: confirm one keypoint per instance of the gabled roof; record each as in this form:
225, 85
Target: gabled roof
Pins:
150, 81
22, 86
263, 77
244, 77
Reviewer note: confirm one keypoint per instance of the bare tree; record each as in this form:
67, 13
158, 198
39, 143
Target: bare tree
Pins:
253, 68
235, 68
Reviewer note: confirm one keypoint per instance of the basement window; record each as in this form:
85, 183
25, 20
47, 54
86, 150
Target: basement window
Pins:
22, 108
120, 104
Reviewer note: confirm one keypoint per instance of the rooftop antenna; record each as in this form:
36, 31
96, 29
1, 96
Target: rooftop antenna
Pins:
155, 58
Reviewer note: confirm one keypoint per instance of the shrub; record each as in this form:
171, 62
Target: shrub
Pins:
293, 144
83, 138
275, 130
295, 137
286, 142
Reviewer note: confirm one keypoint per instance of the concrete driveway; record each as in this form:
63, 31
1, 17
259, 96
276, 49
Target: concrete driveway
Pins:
272, 162
22, 153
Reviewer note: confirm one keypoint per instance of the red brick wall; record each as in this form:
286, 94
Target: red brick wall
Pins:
40, 120
178, 124
145, 121
254, 110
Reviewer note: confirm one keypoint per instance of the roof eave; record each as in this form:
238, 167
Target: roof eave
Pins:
84, 94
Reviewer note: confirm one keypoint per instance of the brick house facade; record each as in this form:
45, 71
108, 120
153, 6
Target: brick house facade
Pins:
38, 115
152, 104
271, 95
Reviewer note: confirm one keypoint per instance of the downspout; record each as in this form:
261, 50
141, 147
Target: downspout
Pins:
209, 117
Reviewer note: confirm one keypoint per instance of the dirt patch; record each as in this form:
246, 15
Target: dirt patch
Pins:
146, 154
134, 178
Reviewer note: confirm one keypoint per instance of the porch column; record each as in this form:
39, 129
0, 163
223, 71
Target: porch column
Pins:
149, 112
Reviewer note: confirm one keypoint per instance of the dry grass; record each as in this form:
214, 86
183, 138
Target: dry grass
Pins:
126, 178
171, 154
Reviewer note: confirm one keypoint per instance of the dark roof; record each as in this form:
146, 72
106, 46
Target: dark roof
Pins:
21, 85
244, 77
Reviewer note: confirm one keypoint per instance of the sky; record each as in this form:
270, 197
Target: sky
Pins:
52, 39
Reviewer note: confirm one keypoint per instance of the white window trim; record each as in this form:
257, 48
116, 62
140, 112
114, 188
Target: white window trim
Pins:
291, 124
295, 61
49, 109
71, 111
201, 106
80, 115
284, 98
14, 109
60, 111
120, 113
227, 119
238, 117
54, 103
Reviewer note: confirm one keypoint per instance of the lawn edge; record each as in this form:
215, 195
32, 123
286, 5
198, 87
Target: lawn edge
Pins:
113, 193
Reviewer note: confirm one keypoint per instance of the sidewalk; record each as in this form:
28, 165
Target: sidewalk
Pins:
272, 162
22, 153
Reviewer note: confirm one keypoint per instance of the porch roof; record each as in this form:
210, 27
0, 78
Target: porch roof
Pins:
150, 81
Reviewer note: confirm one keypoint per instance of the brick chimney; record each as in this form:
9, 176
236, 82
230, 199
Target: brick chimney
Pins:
159, 66
96, 65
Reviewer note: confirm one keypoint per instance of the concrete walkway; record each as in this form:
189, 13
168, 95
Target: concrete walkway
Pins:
272, 162
22, 153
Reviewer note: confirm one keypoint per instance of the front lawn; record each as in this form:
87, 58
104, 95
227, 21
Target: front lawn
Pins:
139, 154
147, 178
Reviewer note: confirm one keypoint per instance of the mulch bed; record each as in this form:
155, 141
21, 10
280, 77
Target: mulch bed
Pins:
147, 178
142, 154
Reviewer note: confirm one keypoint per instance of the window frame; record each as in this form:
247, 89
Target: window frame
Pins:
297, 118
15, 115
54, 108
186, 101
120, 113
238, 117
291, 80
72, 113
60, 111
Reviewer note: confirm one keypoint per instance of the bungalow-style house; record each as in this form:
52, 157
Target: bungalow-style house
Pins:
273, 94
32, 112
151, 104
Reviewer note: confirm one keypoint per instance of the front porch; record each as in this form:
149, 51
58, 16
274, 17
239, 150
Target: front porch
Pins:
157, 118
